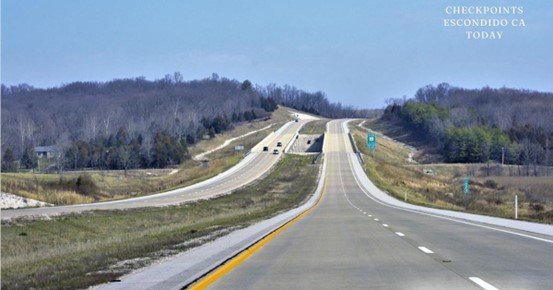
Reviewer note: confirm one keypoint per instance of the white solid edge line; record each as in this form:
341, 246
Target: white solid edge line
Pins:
482, 283
400, 234
426, 250
440, 216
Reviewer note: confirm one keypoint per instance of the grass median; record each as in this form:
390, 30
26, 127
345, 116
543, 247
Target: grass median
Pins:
96, 247
314, 127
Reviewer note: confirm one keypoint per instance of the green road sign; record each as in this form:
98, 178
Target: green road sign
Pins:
465, 191
371, 141
466, 185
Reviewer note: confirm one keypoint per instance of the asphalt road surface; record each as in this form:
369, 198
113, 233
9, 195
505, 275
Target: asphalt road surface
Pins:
252, 167
351, 242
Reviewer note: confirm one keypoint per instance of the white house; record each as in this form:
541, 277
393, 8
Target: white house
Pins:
45, 151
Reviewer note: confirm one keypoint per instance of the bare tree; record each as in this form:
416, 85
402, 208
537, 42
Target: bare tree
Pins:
177, 77
91, 129
125, 158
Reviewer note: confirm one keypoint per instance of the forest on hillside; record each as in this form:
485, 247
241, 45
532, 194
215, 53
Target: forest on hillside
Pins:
513, 126
138, 123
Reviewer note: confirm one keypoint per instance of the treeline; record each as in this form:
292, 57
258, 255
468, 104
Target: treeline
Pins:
119, 151
187, 111
123, 151
86, 110
316, 103
502, 125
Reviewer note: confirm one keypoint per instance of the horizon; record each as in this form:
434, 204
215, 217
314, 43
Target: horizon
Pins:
359, 54
410, 96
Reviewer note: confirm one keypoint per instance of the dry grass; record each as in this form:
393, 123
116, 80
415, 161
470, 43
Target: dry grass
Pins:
425, 152
45, 188
111, 185
389, 169
314, 127
91, 248
279, 117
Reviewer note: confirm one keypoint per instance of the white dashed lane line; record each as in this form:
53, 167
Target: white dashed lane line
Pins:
482, 283
426, 250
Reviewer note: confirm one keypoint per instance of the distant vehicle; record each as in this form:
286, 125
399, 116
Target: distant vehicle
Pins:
265, 148
308, 141
275, 151
297, 120
279, 144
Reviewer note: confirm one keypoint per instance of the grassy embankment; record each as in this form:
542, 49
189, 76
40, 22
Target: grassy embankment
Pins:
314, 127
82, 250
439, 185
113, 184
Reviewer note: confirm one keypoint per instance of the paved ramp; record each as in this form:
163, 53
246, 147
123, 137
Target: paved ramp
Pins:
252, 167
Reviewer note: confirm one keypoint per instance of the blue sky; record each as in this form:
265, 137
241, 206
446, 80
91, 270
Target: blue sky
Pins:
358, 52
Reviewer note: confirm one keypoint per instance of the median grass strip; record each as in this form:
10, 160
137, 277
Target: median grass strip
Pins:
96, 247
314, 127
392, 169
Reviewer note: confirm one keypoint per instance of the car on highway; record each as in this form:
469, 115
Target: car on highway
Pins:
279, 144
265, 148
275, 151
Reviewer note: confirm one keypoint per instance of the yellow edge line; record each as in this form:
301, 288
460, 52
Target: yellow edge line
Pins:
228, 266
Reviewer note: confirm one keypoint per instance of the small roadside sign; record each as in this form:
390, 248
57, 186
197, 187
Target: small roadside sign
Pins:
239, 148
466, 185
465, 191
371, 141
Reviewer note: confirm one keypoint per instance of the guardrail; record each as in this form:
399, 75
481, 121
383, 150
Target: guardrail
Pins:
355, 148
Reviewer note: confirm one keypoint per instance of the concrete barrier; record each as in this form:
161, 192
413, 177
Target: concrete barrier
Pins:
291, 142
355, 149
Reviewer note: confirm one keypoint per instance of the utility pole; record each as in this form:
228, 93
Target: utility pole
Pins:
546, 156
516, 207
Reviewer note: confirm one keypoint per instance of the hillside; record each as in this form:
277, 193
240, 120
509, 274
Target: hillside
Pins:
480, 125
137, 123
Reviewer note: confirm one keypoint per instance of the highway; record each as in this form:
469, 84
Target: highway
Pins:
350, 241
252, 167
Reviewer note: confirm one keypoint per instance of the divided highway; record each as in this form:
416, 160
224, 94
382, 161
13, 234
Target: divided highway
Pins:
351, 241
253, 166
